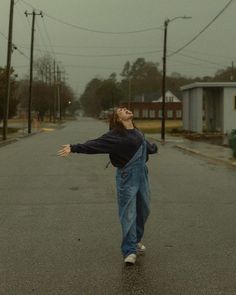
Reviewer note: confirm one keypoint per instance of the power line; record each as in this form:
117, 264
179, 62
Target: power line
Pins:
4, 36
36, 41
21, 52
42, 39
14, 46
19, 15
130, 54
139, 47
106, 55
208, 54
103, 47
93, 30
48, 37
103, 32
17, 47
195, 64
200, 59
203, 30
25, 23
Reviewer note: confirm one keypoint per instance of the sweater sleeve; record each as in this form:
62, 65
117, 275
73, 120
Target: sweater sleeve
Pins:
151, 148
101, 145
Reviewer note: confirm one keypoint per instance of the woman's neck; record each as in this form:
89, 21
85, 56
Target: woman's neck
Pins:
128, 124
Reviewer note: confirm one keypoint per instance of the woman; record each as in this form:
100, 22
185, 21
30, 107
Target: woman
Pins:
128, 151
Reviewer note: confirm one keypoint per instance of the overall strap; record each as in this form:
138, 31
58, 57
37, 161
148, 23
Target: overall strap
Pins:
144, 154
139, 155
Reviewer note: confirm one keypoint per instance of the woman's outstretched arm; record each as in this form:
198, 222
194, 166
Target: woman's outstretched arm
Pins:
101, 145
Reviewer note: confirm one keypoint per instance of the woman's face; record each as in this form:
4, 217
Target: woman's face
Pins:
124, 114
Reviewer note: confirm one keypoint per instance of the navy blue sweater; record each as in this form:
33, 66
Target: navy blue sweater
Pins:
121, 147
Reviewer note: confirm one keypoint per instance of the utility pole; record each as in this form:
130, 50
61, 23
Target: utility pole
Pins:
232, 72
167, 21
46, 75
8, 73
31, 65
54, 92
62, 88
59, 92
164, 82
129, 92
51, 97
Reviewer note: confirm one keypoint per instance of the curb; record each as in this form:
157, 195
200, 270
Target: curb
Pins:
173, 140
15, 139
230, 162
8, 141
197, 152
192, 151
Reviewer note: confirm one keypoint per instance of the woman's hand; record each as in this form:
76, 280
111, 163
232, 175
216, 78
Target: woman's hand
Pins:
65, 151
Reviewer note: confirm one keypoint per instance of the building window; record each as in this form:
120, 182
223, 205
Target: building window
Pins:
136, 113
178, 114
170, 114
160, 114
169, 99
145, 113
152, 114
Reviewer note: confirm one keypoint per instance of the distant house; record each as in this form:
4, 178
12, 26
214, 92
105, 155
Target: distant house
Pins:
149, 106
170, 97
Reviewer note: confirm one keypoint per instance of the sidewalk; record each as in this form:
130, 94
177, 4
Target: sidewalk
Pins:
210, 151
23, 130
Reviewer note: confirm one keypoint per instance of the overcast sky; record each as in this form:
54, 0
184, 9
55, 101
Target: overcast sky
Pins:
80, 50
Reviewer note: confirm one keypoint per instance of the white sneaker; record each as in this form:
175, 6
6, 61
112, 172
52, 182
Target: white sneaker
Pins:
140, 248
130, 259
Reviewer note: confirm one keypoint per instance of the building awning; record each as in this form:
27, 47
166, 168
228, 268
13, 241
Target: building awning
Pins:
209, 85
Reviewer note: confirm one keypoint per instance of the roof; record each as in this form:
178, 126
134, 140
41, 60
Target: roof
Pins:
154, 96
209, 85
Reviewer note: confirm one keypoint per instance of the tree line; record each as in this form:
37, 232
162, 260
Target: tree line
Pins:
136, 79
100, 94
51, 95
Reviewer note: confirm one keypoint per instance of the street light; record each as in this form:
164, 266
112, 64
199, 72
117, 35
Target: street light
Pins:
167, 21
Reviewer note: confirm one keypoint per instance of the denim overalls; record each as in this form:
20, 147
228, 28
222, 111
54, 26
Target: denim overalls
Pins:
133, 199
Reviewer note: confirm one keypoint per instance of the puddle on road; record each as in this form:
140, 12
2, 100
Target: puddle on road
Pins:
47, 129
74, 188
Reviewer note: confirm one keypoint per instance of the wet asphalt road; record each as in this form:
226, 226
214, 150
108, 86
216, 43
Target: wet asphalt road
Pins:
60, 233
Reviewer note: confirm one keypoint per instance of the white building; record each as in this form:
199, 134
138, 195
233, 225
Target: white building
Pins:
209, 106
